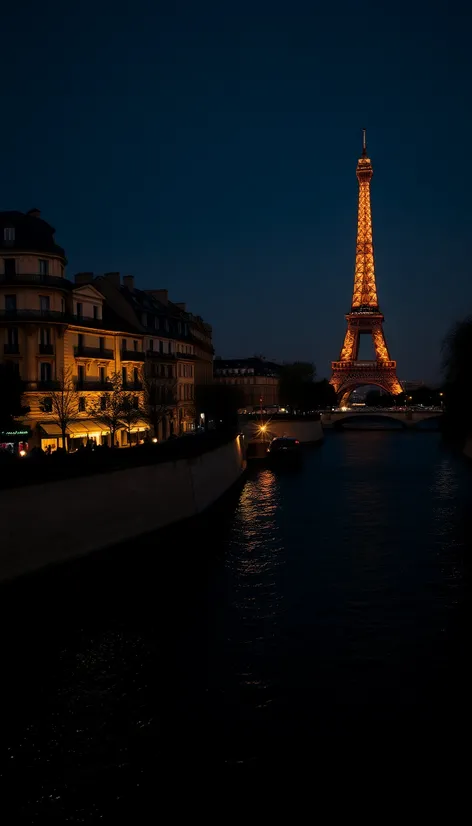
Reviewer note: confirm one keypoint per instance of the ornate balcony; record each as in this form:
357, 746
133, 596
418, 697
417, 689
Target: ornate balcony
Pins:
51, 384
93, 385
132, 355
33, 279
93, 353
363, 365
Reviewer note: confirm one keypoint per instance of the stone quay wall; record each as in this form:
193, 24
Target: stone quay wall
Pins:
54, 522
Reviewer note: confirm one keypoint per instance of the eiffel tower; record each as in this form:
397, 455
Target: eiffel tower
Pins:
365, 317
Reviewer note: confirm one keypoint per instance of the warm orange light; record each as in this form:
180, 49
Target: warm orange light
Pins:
365, 317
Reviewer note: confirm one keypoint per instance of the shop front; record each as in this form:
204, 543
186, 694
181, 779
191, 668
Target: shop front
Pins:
82, 433
137, 434
15, 440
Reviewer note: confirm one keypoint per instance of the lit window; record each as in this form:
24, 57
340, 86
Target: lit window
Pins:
9, 234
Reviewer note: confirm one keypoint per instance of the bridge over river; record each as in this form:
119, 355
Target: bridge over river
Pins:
409, 417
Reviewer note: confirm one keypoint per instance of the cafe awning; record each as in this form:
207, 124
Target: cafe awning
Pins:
78, 429
140, 425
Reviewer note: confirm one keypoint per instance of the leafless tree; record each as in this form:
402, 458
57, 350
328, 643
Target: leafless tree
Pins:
109, 405
62, 402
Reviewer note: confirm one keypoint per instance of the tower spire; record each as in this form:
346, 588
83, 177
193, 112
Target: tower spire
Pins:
365, 290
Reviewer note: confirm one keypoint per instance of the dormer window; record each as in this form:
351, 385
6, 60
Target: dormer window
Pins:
9, 233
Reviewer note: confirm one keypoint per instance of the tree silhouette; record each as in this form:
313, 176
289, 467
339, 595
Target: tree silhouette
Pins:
62, 403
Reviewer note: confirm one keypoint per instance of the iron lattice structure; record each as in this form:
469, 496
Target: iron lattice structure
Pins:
365, 317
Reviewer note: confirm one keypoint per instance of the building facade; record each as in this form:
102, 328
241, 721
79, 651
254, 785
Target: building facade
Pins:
86, 333
257, 378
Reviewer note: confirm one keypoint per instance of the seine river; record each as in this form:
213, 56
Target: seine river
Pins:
314, 612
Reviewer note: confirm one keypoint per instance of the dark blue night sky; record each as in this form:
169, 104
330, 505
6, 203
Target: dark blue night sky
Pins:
211, 147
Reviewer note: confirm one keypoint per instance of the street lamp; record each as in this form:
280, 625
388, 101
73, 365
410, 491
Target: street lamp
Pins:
442, 402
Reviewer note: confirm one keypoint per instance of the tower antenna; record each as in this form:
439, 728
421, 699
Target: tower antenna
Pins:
364, 143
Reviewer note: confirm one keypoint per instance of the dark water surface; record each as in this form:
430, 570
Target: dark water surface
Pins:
313, 611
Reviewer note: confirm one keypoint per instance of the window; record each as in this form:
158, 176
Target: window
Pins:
103, 403
124, 377
43, 266
151, 344
101, 342
81, 373
45, 335
9, 234
44, 303
10, 303
161, 346
12, 338
180, 369
156, 322
81, 404
45, 371
47, 405
79, 309
135, 346
103, 374
95, 311
123, 344
136, 402
10, 266
80, 340
135, 375
63, 305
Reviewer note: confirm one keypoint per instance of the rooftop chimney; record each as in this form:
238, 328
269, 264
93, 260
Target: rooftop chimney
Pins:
35, 213
161, 295
113, 278
83, 277
181, 305
128, 281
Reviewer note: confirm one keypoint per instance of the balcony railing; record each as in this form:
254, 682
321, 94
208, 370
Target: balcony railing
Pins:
132, 385
36, 279
46, 349
93, 385
11, 349
158, 356
49, 384
93, 353
132, 355
50, 316
363, 365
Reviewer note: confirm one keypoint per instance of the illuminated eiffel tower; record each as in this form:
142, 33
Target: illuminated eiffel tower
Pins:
365, 317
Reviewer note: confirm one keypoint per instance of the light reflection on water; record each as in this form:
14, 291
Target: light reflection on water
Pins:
330, 605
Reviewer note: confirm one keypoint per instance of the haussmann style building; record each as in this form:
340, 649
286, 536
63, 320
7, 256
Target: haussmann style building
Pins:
91, 329
257, 379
